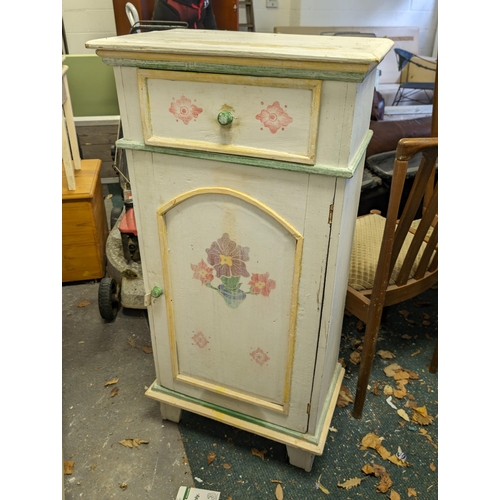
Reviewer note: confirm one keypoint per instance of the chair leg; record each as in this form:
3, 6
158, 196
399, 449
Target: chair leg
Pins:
365, 367
434, 361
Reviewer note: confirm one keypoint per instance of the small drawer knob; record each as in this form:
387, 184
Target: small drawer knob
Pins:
156, 292
225, 117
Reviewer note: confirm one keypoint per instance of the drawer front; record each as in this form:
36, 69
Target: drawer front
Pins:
272, 118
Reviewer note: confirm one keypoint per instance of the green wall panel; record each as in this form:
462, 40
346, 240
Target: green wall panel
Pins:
91, 86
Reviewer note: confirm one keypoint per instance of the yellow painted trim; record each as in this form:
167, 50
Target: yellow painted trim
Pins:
344, 67
225, 391
161, 211
143, 75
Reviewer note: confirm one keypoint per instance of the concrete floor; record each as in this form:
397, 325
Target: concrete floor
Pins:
94, 421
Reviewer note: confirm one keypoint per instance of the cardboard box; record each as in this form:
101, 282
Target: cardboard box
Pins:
186, 493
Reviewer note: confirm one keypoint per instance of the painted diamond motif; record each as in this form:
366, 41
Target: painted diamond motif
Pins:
200, 340
260, 356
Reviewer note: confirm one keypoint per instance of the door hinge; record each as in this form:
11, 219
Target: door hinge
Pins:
330, 214
147, 299
308, 408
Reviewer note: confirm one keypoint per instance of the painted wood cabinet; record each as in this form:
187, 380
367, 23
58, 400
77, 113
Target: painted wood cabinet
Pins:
245, 154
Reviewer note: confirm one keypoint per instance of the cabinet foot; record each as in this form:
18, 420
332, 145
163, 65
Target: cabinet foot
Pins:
171, 413
300, 458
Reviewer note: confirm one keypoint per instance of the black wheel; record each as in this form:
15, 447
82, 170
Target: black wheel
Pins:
109, 302
114, 216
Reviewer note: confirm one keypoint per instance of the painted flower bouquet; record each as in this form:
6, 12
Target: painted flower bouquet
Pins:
228, 260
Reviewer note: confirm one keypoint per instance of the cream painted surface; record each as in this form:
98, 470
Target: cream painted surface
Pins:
273, 118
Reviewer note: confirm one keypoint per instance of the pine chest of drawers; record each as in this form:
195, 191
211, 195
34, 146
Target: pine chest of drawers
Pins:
245, 154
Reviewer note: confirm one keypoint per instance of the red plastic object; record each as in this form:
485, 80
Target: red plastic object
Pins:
127, 224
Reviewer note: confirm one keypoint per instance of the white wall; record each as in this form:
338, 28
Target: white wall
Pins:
85, 20
88, 19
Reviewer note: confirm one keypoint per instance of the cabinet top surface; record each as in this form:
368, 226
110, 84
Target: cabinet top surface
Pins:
236, 44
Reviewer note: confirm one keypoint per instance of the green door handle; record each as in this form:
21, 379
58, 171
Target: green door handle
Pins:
156, 292
225, 117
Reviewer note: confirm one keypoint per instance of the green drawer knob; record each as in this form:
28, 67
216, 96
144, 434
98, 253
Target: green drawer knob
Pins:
156, 292
225, 117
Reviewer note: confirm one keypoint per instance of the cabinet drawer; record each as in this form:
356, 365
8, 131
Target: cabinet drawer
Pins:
272, 118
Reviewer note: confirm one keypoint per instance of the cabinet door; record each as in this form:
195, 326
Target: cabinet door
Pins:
241, 255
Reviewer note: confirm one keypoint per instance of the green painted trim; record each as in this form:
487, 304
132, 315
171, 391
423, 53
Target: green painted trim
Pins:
332, 171
309, 438
199, 67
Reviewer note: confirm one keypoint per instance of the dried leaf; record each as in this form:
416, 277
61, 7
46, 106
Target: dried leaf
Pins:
404, 313
388, 390
131, 342
416, 352
394, 495
360, 326
421, 417
321, 487
368, 469
123, 486
406, 336
83, 303
386, 354
426, 322
400, 394
375, 389
69, 466
279, 492
276, 481
403, 414
350, 483
412, 492
379, 470
226, 466
370, 441
385, 483
383, 452
391, 370
111, 382
114, 392
133, 443
432, 467
258, 453
355, 358
345, 397
401, 375
211, 457
413, 375
147, 349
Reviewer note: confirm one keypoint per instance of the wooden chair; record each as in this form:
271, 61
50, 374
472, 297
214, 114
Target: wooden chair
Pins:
407, 261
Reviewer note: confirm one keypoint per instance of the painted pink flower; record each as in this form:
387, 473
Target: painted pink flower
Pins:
183, 110
200, 340
274, 117
227, 257
260, 356
260, 283
202, 272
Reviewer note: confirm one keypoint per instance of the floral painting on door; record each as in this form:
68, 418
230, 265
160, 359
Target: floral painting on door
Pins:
229, 263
